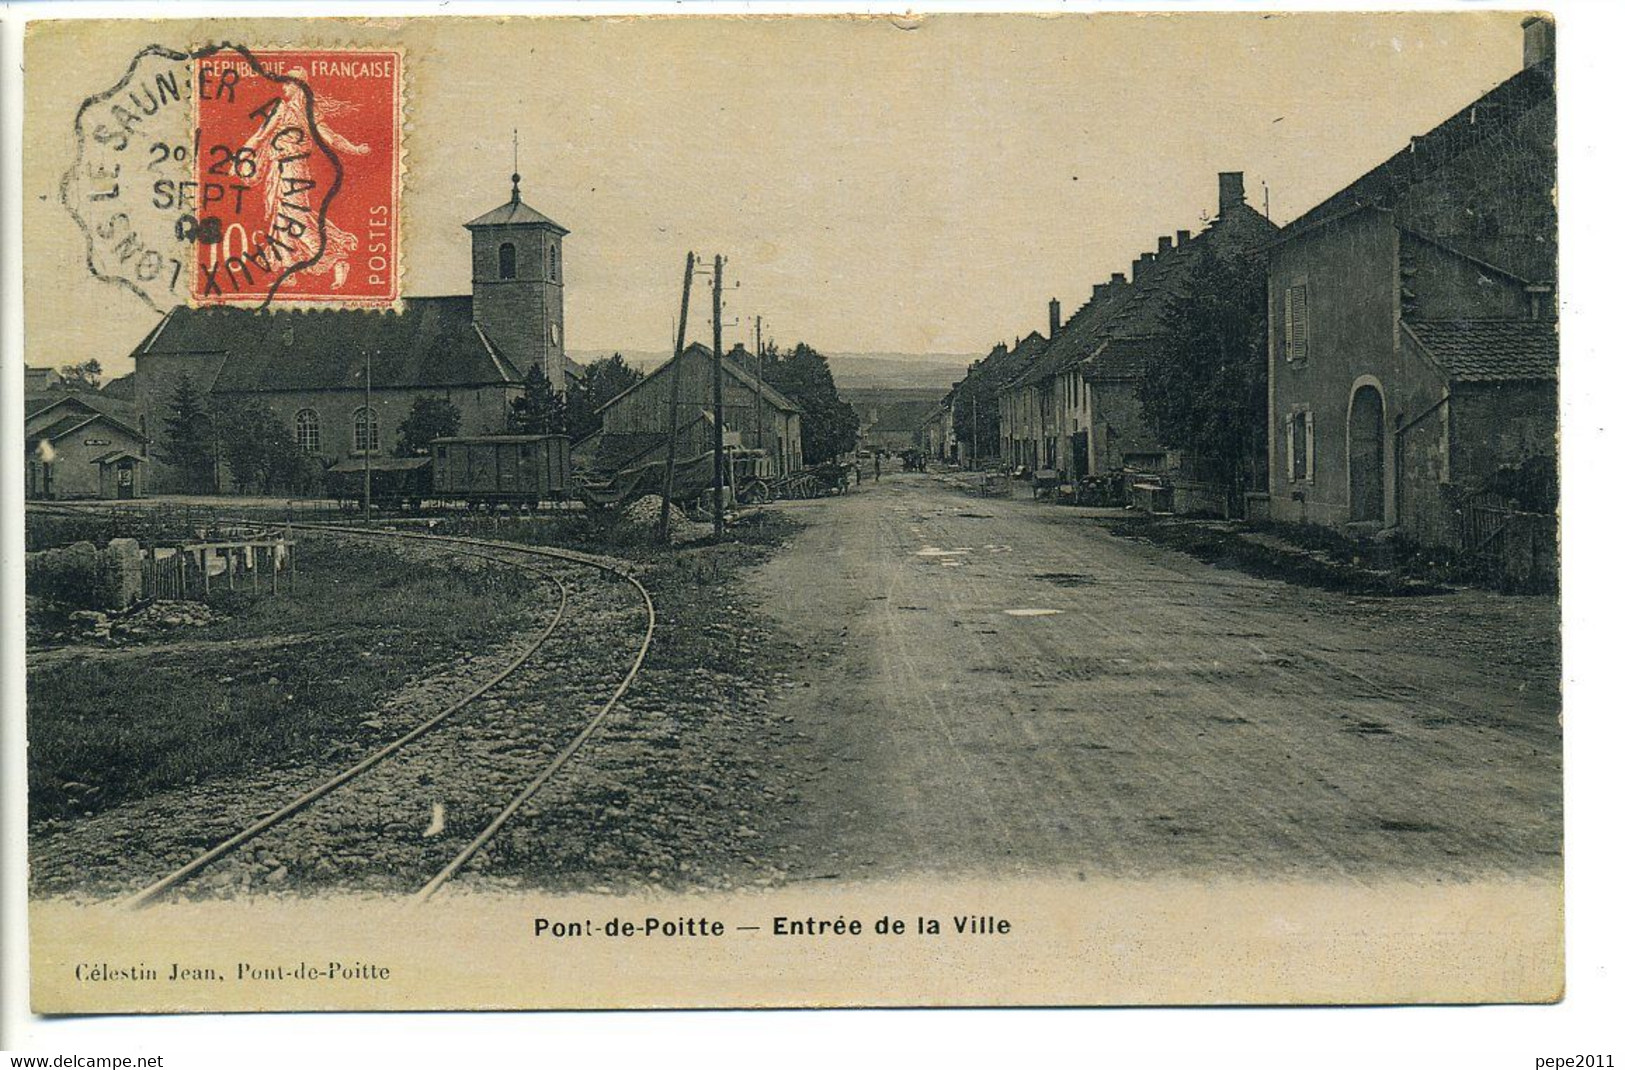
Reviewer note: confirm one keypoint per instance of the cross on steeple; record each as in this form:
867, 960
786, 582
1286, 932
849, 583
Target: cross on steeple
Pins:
515, 165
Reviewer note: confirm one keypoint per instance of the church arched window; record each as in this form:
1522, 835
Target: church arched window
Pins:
553, 262
307, 430
366, 430
507, 261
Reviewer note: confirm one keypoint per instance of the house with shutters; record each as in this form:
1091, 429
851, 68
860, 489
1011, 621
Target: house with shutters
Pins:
1075, 409
977, 432
316, 368
1412, 323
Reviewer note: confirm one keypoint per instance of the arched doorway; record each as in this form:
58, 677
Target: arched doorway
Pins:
1365, 454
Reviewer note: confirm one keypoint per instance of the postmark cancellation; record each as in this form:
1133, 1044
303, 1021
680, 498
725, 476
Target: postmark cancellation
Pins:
226, 175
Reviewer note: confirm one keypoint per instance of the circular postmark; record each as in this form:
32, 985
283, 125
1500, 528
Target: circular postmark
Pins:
203, 177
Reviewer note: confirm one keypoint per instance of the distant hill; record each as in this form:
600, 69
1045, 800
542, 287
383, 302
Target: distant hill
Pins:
933, 371
852, 371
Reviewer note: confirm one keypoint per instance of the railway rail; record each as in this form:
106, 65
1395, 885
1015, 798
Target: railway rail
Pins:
490, 550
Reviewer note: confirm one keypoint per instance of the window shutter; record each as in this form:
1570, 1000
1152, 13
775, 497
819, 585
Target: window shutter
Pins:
1308, 447
1291, 449
1297, 322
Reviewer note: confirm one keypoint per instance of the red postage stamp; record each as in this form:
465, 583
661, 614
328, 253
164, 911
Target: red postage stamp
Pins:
297, 162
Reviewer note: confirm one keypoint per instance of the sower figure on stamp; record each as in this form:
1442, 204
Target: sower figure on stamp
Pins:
282, 148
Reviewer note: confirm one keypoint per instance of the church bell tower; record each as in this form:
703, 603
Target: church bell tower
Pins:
519, 285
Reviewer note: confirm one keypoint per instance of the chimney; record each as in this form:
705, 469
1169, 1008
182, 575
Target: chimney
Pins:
1183, 236
1164, 243
1539, 40
1054, 317
1232, 191
1142, 266
1101, 288
1117, 278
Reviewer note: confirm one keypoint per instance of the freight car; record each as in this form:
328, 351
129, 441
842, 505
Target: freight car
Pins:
396, 481
502, 469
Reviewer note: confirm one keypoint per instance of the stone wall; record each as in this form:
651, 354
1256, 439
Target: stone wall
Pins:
82, 575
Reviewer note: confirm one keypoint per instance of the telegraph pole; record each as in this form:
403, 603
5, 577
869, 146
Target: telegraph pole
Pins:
716, 399
671, 423
758, 382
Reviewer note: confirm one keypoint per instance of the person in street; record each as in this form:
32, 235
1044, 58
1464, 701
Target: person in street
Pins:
877, 466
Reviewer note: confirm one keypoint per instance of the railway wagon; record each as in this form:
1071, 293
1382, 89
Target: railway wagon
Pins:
396, 481
502, 469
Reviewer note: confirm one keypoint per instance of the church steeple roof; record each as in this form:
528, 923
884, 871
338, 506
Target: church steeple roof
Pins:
516, 213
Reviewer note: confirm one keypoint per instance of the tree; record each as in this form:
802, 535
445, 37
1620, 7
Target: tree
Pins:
1206, 388
829, 425
429, 419
602, 381
187, 440
86, 375
539, 410
976, 417
259, 448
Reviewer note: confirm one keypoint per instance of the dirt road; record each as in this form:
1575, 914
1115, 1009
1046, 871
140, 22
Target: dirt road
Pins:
999, 686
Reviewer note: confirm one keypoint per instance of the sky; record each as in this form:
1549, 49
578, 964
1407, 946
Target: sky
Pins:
923, 186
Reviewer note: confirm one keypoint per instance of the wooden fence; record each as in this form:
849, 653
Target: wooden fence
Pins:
194, 570
1516, 549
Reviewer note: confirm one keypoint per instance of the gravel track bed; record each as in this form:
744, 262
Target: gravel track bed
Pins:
680, 789
391, 829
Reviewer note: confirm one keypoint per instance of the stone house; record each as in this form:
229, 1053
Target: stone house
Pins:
1020, 415
311, 366
1413, 346
936, 433
755, 416
1076, 410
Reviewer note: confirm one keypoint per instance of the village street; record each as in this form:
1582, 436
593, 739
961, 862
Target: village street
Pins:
999, 685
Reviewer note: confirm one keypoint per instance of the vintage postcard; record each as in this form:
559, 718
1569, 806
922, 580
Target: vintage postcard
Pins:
792, 511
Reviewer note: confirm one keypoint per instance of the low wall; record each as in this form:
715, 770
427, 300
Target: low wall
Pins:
81, 575
1201, 499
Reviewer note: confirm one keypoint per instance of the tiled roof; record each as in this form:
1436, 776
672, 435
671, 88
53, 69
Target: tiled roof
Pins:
431, 343
1120, 358
1135, 310
1003, 364
1235, 234
1477, 351
1078, 336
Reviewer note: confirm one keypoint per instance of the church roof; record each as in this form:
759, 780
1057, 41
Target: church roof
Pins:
432, 342
515, 213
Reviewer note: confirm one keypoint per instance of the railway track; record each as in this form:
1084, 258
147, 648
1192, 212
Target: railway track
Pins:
523, 750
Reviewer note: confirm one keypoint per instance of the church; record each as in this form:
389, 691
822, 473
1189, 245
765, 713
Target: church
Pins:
310, 366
